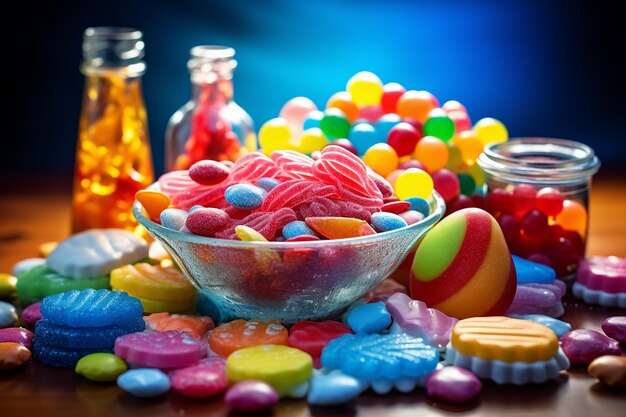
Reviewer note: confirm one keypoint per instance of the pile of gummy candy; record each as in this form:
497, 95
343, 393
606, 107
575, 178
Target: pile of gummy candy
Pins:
104, 301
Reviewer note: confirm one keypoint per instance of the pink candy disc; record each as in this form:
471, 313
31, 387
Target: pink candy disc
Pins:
154, 349
200, 381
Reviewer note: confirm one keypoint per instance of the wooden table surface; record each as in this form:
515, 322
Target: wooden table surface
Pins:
34, 210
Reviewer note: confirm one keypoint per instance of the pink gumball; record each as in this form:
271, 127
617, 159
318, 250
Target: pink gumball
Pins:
295, 111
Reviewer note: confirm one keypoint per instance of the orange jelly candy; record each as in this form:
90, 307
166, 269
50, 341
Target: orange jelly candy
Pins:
238, 334
339, 227
196, 326
154, 202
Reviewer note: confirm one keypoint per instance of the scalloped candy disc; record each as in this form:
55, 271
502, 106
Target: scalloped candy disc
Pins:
91, 308
163, 350
58, 335
97, 252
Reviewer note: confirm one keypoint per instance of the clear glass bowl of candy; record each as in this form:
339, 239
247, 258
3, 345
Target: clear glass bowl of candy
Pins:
538, 190
303, 278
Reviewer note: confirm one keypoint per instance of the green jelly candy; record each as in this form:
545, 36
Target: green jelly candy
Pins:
41, 281
101, 367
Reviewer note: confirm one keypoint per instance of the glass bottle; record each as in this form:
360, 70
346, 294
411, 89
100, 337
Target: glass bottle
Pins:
210, 125
538, 190
113, 156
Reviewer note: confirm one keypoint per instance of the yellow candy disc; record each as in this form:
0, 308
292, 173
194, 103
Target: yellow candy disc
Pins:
282, 367
152, 282
172, 306
504, 339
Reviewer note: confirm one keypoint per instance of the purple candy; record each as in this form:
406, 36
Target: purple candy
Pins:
416, 319
583, 345
17, 335
251, 396
453, 384
615, 327
538, 298
153, 349
31, 315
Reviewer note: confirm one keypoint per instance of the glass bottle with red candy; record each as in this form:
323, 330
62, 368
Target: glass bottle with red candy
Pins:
538, 190
113, 156
211, 125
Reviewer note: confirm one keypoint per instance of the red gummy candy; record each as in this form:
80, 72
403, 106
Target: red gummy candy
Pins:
294, 164
208, 172
267, 224
396, 207
311, 337
252, 167
207, 221
186, 193
326, 207
294, 192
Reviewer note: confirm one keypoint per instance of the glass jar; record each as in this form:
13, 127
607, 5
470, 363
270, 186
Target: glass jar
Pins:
538, 190
211, 125
113, 156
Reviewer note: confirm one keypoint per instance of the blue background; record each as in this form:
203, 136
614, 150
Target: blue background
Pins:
543, 68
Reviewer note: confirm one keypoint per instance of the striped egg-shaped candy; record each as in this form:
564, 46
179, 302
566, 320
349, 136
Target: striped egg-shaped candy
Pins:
463, 267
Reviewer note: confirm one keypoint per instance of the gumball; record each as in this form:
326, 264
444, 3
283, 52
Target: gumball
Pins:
412, 163
382, 158
467, 184
334, 124
391, 94
463, 267
393, 176
295, 111
573, 217
432, 152
447, 184
535, 224
311, 140
524, 245
563, 254
455, 159
523, 199
491, 130
346, 144
363, 136
480, 201
510, 227
470, 146
459, 203
477, 173
413, 183
453, 105
439, 125
274, 135
549, 201
366, 88
385, 124
416, 105
312, 119
417, 125
370, 113
500, 200
403, 138
343, 101
462, 122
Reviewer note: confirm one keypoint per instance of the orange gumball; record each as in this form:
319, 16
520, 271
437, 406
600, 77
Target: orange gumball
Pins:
343, 101
573, 217
432, 153
416, 105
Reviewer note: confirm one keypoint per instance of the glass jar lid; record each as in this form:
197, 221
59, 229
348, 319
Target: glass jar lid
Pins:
540, 161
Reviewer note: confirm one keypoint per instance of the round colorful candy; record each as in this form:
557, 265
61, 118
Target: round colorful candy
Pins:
295, 111
403, 138
144, 383
549, 201
432, 153
245, 196
382, 158
363, 136
366, 88
251, 396
490, 130
470, 146
274, 135
101, 367
208, 172
391, 94
463, 267
312, 119
416, 105
447, 184
439, 125
413, 183
13, 355
200, 381
573, 216
370, 113
335, 124
312, 140
343, 101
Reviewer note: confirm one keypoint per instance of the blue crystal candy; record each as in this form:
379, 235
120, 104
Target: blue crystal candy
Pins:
60, 357
58, 335
91, 308
370, 357
532, 272
369, 318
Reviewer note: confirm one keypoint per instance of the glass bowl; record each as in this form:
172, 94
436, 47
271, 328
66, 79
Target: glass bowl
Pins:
288, 282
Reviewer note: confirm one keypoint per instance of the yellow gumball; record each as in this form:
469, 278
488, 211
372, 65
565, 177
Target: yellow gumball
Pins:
490, 130
382, 158
311, 140
413, 183
365, 88
455, 160
275, 135
469, 145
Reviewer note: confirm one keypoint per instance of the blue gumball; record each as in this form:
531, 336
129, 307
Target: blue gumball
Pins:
363, 136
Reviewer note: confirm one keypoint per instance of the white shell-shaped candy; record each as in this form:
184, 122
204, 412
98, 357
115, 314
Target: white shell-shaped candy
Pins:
97, 252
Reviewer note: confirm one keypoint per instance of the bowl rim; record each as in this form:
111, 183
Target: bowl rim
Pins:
431, 219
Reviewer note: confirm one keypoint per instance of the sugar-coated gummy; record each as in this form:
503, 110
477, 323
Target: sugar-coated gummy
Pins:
173, 218
297, 228
245, 196
91, 308
384, 221
59, 335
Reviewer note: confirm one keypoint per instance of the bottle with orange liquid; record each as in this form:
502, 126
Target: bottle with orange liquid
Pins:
113, 156
211, 125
